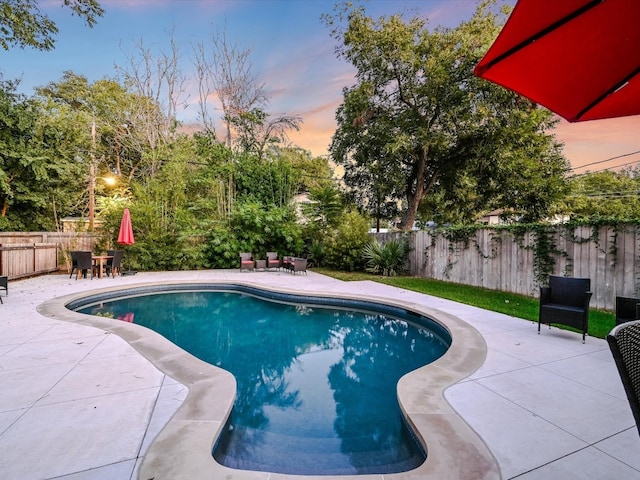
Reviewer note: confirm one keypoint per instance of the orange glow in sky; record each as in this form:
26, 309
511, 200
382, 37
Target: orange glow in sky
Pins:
598, 140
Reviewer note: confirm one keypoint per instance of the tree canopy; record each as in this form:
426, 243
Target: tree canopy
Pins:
604, 195
418, 125
23, 25
37, 163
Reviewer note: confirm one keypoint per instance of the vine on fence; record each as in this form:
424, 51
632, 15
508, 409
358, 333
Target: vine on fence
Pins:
544, 242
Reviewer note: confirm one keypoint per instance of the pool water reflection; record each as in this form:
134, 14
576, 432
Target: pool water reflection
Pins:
316, 386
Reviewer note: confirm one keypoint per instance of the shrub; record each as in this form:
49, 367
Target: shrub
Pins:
388, 259
315, 253
344, 245
256, 229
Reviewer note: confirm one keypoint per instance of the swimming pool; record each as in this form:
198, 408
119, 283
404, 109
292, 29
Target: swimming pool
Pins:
316, 386
182, 449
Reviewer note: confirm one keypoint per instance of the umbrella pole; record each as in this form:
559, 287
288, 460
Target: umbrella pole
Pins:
129, 271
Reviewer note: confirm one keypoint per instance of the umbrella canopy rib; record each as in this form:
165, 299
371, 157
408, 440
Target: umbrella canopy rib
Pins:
528, 41
614, 89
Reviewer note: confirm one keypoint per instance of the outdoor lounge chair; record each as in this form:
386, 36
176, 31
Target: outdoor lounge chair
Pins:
627, 309
299, 265
272, 260
565, 302
4, 285
624, 342
81, 262
246, 261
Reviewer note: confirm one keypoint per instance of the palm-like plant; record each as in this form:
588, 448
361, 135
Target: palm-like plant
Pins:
388, 259
316, 253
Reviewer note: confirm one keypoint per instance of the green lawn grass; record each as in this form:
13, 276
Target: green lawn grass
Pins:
520, 306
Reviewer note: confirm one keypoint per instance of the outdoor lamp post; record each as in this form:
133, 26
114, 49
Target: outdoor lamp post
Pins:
109, 181
92, 178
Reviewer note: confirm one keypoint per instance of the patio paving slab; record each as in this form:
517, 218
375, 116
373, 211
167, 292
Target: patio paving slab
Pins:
520, 440
94, 404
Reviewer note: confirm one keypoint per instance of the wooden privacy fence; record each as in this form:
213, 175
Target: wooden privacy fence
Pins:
24, 259
500, 259
27, 254
503, 259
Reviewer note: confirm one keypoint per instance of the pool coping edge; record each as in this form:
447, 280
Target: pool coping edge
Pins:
183, 447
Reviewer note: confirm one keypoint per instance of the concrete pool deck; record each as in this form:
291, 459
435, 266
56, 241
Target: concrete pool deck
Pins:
77, 402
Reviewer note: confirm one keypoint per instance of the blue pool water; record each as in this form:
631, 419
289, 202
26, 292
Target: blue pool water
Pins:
316, 386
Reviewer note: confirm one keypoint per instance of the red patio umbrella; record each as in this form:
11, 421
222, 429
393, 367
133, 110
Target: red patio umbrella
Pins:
125, 236
578, 58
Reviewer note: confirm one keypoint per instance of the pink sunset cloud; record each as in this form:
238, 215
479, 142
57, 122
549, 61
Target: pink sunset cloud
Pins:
318, 128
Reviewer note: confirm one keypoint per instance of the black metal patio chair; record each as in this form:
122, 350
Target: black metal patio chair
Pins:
565, 302
113, 264
81, 262
627, 309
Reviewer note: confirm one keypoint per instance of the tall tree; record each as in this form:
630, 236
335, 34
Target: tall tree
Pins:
38, 171
225, 70
116, 142
257, 131
23, 25
417, 119
156, 78
314, 172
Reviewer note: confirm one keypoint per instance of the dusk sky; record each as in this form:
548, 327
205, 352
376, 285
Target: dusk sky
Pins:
292, 53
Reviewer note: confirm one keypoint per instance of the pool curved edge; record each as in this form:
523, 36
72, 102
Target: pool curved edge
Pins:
182, 450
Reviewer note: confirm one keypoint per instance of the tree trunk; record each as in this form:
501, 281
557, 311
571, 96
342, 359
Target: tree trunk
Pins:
415, 190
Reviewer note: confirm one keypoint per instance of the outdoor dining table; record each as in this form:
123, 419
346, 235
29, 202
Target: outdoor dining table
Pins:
100, 259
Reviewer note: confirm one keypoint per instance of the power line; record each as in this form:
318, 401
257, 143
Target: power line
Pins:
635, 162
607, 160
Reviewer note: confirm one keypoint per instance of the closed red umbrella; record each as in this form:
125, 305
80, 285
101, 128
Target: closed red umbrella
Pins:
578, 58
125, 237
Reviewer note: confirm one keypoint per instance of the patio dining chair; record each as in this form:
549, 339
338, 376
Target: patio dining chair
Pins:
624, 342
113, 264
81, 262
74, 262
